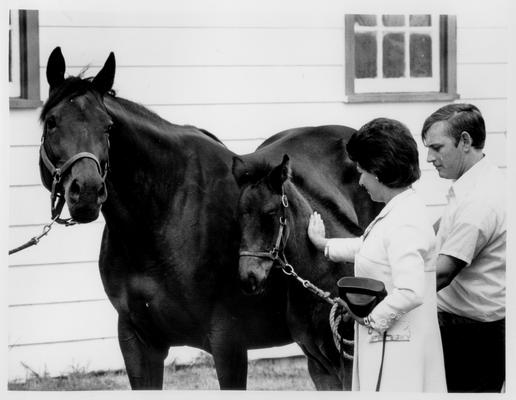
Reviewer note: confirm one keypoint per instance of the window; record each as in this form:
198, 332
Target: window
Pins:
402, 57
23, 59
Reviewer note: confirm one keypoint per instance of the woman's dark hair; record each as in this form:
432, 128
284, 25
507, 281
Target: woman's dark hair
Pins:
385, 147
460, 117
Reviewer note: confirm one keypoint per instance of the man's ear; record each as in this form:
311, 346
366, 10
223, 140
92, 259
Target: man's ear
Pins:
467, 140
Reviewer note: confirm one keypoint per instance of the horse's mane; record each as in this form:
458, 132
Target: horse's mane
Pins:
77, 85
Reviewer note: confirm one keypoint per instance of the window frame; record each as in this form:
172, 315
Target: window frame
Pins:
447, 67
30, 96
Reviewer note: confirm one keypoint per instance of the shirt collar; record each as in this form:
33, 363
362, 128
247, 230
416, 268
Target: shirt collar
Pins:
395, 200
466, 183
399, 198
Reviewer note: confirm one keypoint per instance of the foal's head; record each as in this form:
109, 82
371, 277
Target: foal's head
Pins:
75, 143
263, 213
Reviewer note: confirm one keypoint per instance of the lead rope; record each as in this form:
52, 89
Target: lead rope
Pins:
35, 240
336, 302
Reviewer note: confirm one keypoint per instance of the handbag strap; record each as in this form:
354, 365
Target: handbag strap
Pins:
379, 381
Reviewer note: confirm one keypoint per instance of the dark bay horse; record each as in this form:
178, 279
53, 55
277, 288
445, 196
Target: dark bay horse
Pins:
275, 204
169, 253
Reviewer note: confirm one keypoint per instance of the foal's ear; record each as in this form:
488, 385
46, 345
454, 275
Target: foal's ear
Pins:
55, 68
106, 76
279, 175
240, 172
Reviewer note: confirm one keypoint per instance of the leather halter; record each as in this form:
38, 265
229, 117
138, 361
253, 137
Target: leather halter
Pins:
57, 199
277, 251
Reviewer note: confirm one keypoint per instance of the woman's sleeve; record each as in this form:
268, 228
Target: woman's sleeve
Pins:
406, 249
342, 249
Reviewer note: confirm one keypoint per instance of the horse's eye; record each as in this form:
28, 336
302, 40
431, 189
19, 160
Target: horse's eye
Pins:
51, 123
109, 128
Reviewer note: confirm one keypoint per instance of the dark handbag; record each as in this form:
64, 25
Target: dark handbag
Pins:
361, 294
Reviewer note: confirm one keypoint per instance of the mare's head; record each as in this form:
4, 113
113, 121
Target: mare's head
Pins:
75, 144
264, 216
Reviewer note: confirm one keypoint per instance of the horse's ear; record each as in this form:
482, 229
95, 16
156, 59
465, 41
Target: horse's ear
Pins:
55, 68
103, 82
240, 172
279, 175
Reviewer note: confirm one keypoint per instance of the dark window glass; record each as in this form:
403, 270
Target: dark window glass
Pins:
365, 55
420, 20
365, 20
393, 20
394, 55
420, 55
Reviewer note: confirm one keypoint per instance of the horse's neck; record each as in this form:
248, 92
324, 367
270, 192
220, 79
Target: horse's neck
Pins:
308, 262
147, 165
300, 211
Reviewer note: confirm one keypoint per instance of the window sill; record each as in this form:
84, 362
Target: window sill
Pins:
19, 103
399, 97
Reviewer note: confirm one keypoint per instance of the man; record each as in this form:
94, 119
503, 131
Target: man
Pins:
471, 244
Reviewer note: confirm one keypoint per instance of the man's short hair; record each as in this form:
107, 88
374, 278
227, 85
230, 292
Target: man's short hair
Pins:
386, 148
460, 117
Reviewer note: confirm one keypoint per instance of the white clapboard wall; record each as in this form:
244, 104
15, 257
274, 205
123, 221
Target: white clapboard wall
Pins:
242, 76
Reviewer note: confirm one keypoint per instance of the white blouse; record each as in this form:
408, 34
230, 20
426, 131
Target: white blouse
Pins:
398, 249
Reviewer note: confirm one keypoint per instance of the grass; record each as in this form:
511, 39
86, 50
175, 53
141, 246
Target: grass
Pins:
271, 374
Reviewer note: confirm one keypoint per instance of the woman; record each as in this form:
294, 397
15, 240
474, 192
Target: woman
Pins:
398, 249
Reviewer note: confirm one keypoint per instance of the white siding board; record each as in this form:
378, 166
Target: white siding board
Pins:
479, 81
200, 47
77, 243
200, 85
61, 322
254, 46
266, 84
52, 283
482, 46
243, 18
244, 15
24, 126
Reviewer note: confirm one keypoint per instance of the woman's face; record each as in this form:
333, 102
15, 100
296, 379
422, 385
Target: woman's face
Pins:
371, 183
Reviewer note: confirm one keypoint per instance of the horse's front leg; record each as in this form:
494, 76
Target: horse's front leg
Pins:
144, 362
227, 344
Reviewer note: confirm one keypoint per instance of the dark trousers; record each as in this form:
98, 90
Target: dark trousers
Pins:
474, 353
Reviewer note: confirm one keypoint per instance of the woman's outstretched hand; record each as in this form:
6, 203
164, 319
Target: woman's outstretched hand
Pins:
316, 231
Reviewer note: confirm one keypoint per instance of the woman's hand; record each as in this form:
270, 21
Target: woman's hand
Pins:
316, 231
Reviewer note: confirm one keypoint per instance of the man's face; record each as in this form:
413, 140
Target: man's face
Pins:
447, 158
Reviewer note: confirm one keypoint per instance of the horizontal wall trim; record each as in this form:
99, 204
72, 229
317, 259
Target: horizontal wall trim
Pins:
221, 27
62, 341
232, 66
200, 27
49, 303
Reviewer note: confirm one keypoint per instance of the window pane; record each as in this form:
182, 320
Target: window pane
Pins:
393, 20
365, 20
420, 55
394, 55
420, 20
365, 55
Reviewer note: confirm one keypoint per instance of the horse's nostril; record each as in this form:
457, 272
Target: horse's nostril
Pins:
75, 190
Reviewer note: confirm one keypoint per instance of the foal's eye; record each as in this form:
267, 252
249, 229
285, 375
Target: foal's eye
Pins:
51, 123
